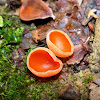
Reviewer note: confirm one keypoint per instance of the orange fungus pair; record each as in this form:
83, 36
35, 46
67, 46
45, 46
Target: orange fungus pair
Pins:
43, 61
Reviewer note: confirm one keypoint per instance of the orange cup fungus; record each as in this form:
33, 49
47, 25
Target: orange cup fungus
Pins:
43, 63
34, 9
59, 43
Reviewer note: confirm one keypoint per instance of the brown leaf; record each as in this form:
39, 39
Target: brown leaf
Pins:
97, 82
40, 33
77, 55
64, 75
98, 3
65, 5
27, 41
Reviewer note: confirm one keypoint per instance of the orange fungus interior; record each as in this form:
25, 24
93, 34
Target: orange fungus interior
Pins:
60, 41
41, 61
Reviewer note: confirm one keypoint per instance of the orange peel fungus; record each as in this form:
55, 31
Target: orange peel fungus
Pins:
34, 9
43, 63
59, 43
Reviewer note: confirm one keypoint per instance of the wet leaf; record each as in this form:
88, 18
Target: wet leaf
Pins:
85, 80
27, 41
77, 55
40, 33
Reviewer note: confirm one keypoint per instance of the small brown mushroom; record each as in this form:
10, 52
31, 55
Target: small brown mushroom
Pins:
35, 9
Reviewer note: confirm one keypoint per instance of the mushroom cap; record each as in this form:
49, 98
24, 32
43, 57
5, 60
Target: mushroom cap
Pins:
34, 9
43, 63
59, 43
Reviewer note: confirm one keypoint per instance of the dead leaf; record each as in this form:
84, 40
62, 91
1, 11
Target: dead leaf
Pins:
97, 82
77, 55
27, 41
40, 33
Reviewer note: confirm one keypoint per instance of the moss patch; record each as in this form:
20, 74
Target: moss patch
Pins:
18, 82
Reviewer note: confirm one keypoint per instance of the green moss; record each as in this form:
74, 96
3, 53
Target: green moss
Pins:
90, 78
32, 28
16, 82
7, 9
13, 82
87, 80
10, 31
81, 75
15, 87
75, 78
1, 21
